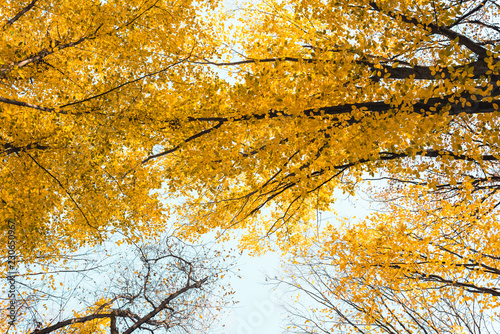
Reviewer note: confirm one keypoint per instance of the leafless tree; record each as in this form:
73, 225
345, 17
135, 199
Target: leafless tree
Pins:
156, 287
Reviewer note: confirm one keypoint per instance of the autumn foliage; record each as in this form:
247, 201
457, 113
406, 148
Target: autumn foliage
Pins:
255, 119
86, 88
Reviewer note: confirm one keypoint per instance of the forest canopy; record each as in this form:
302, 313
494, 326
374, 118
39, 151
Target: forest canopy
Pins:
117, 116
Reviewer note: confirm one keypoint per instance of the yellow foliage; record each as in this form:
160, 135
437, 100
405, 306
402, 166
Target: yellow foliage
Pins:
82, 87
97, 326
107, 104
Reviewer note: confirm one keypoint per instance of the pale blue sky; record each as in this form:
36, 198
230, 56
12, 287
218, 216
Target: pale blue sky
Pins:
259, 310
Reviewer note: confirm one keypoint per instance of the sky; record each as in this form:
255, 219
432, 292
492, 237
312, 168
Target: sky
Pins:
260, 308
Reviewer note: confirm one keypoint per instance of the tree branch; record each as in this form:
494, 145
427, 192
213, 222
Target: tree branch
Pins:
435, 29
466, 15
65, 190
9, 148
164, 304
124, 314
19, 14
24, 104
71, 322
46, 52
416, 72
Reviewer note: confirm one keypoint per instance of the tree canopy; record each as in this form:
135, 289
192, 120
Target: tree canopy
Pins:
85, 91
329, 94
322, 97
161, 286
255, 119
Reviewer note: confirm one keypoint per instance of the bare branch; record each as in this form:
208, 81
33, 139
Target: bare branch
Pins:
164, 304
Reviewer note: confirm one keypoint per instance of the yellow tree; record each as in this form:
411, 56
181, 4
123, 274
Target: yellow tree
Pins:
86, 88
336, 300
429, 263
434, 247
324, 94
328, 93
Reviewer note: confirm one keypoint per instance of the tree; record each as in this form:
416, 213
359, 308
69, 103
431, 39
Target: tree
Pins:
82, 83
431, 250
323, 96
428, 262
341, 303
327, 94
334, 95
158, 286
